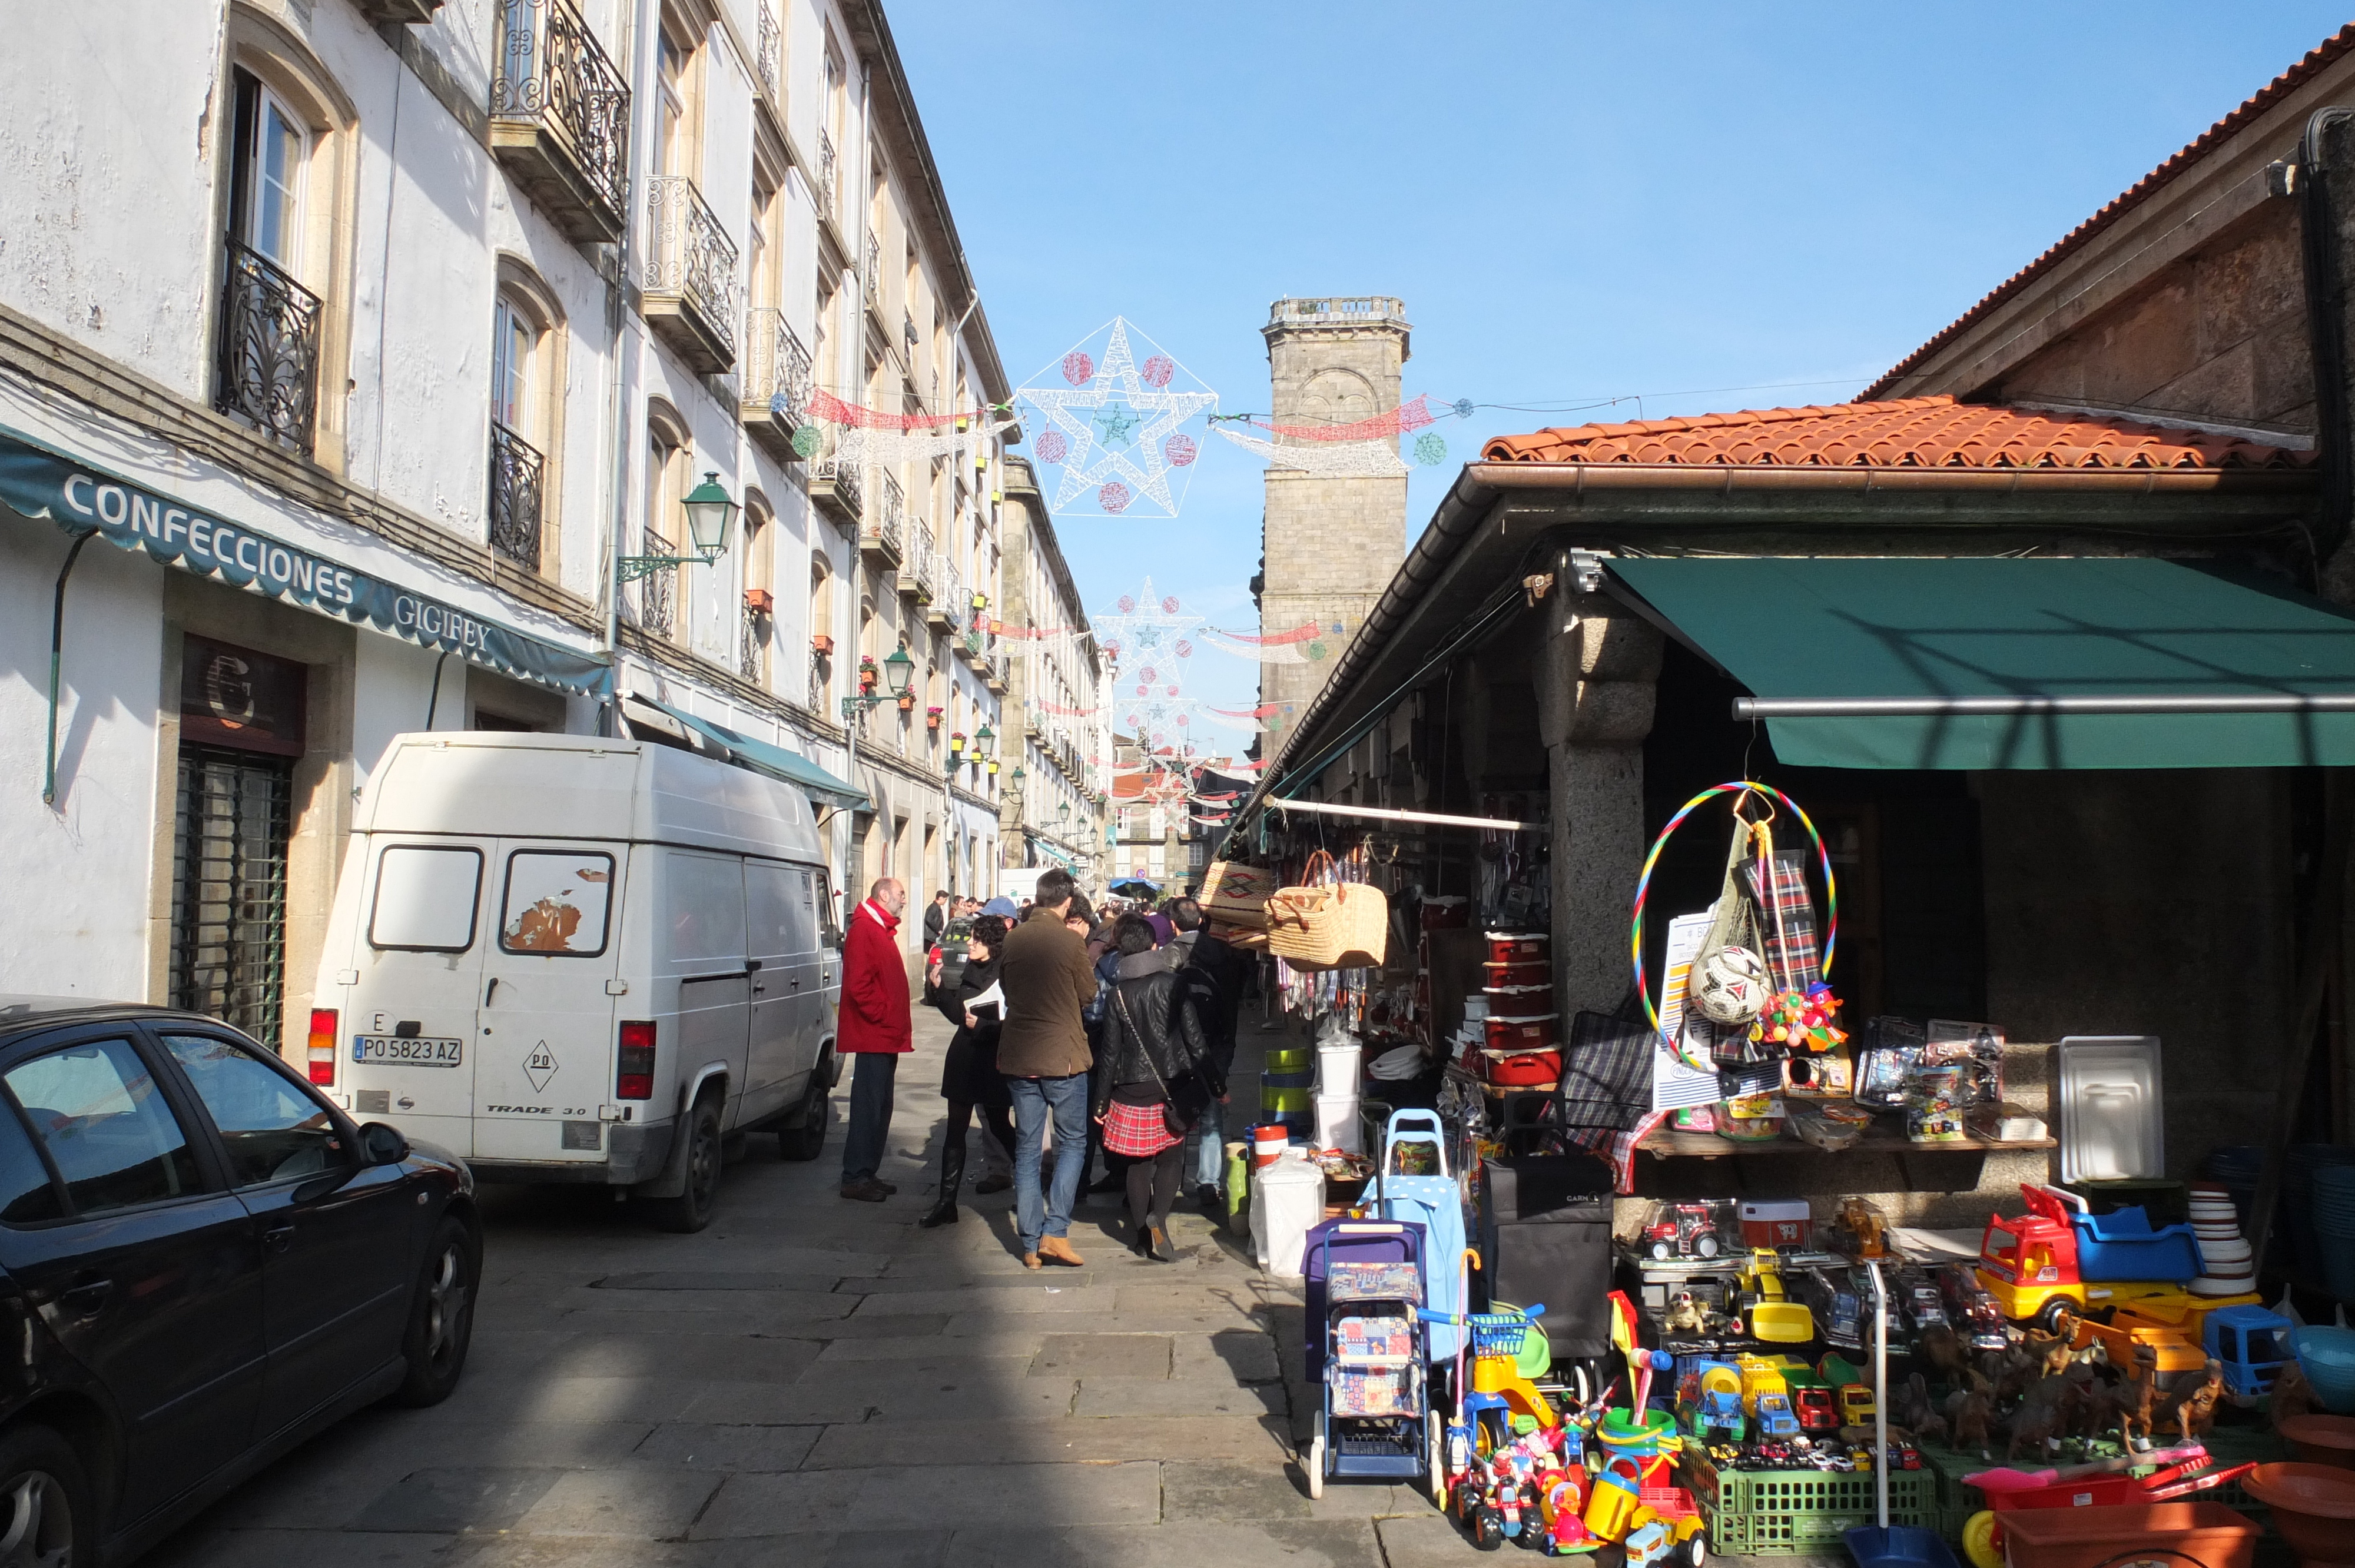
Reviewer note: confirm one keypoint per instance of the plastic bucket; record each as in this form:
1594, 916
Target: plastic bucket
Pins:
1339, 1068
1338, 1125
1288, 1197
1268, 1144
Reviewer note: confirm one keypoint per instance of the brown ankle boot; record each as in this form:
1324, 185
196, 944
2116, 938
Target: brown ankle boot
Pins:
1055, 1249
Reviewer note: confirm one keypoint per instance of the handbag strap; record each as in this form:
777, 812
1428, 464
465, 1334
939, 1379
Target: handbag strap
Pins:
1308, 874
1129, 1020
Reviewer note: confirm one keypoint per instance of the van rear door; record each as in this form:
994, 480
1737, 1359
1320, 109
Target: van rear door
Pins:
544, 1052
406, 1042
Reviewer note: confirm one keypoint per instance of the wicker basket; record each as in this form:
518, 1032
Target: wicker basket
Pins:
1329, 925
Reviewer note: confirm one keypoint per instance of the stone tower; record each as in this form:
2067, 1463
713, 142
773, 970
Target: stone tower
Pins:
1332, 544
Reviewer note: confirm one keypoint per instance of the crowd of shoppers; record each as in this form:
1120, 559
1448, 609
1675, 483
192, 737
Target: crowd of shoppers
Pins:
1075, 1036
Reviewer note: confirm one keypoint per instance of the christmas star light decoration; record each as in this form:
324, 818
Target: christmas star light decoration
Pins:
1113, 424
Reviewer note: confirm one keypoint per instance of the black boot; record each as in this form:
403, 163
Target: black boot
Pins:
944, 1212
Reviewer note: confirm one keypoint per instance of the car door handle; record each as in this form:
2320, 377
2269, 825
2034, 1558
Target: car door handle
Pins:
87, 1298
279, 1239
752, 965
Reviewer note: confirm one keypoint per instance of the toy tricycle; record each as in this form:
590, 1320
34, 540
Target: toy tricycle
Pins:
1376, 1419
2101, 1484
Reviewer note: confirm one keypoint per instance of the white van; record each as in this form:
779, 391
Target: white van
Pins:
569, 958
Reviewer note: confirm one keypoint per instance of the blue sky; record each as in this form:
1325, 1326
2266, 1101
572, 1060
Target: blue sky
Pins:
1692, 205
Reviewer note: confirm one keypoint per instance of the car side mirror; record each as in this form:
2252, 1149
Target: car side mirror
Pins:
381, 1144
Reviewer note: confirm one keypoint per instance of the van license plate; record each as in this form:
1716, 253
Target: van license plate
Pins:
396, 1051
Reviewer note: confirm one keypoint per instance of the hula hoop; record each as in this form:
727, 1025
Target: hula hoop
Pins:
1643, 888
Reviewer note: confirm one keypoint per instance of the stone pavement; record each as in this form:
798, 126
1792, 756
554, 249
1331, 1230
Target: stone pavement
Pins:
820, 1383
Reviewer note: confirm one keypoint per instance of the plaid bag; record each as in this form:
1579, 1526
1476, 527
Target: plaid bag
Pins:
1603, 1102
1785, 919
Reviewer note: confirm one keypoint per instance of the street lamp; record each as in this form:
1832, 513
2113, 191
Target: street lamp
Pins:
898, 672
709, 513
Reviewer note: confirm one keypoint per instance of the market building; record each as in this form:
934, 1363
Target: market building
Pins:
2046, 631
432, 366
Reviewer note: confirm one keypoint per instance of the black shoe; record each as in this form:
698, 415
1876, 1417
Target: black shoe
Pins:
944, 1212
1158, 1247
868, 1191
1142, 1244
889, 1187
1213, 1201
989, 1184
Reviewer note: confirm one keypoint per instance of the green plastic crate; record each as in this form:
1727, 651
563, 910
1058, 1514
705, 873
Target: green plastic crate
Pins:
1793, 1514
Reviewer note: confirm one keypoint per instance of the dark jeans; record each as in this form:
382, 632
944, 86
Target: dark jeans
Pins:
872, 1074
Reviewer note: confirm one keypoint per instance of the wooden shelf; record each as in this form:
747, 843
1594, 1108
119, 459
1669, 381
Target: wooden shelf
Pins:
1877, 1139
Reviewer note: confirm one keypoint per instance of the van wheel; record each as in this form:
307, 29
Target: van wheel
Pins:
691, 1210
807, 1140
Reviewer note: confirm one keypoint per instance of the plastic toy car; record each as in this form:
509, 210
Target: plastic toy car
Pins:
1775, 1417
1904, 1457
1816, 1410
1838, 1314
1683, 1230
1856, 1406
1971, 1312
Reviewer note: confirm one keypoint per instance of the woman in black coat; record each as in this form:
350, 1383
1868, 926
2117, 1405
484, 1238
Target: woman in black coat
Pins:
969, 1079
1150, 1042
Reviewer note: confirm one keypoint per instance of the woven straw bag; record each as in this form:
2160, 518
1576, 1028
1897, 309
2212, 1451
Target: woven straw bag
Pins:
1328, 925
1235, 894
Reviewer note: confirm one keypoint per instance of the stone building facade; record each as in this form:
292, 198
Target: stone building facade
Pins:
1330, 544
1054, 807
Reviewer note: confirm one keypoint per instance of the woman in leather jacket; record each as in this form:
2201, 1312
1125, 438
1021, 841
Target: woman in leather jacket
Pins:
969, 1077
1150, 1041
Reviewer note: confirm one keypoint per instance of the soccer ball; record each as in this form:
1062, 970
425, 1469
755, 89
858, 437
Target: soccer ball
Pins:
1731, 986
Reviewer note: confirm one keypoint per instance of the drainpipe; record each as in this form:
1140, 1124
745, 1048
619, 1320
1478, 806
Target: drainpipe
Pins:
2326, 321
617, 314
56, 662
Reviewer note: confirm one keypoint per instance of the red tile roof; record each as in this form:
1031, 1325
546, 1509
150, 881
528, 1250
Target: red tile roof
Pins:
1910, 432
2142, 190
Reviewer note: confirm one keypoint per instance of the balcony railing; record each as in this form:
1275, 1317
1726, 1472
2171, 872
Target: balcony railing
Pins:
516, 470
269, 351
827, 171
770, 39
872, 288
690, 280
753, 657
1354, 311
560, 117
923, 562
886, 514
659, 590
838, 486
776, 365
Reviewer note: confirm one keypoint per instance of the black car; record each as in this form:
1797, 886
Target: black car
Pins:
203, 1262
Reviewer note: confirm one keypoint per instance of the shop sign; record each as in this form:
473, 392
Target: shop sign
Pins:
236, 696
42, 483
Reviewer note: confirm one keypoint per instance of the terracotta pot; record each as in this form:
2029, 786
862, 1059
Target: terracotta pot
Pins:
2322, 1439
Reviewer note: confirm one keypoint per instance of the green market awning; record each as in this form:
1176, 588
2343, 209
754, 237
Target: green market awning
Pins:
761, 757
82, 498
2017, 664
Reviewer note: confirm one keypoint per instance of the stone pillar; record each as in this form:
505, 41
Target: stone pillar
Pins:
1597, 672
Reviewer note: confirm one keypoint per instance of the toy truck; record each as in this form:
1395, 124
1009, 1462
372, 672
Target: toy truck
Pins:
2038, 1266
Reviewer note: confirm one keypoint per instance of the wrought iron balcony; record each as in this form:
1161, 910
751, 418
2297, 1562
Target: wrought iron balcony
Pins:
770, 38
658, 590
690, 283
836, 488
560, 119
871, 288
400, 13
516, 470
753, 657
879, 530
916, 580
269, 352
829, 171
946, 592
776, 388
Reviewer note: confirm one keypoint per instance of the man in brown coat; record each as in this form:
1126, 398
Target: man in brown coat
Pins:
1043, 1051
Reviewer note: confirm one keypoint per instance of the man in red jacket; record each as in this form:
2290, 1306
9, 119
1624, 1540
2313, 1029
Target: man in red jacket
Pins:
873, 1028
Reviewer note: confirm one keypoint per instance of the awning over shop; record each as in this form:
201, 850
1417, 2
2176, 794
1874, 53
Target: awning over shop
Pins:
761, 757
82, 498
2017, 664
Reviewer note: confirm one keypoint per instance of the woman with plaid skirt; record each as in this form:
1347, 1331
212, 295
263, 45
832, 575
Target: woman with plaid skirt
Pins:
1150, 1041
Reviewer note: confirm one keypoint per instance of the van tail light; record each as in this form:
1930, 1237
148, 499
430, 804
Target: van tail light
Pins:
323, 1045
634, 1078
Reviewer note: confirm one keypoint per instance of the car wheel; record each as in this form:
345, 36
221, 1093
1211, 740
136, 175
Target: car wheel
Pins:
441, 1319
807, 1141
691, 1210
49, 1520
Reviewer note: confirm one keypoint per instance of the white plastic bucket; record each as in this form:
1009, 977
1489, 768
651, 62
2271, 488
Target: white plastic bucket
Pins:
1338, 1125
1337, 1069
1287, 1199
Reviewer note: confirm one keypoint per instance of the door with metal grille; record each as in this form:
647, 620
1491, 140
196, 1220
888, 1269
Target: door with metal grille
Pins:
230, 833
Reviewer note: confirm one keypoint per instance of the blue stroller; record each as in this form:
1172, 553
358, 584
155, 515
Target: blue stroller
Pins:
1375, 1420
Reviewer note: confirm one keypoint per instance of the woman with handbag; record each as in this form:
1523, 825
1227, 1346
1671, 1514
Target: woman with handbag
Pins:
969, 1077
1158, 1079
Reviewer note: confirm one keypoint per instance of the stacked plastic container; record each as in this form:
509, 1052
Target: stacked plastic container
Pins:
1518, 1043
1338, 1069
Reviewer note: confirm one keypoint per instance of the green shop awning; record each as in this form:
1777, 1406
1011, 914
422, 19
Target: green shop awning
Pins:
1983, 663
761, 757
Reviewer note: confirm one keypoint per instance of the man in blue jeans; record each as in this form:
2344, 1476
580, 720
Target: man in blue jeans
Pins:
1042, 1049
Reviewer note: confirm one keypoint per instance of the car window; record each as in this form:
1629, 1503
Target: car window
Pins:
705, 909
27, 1195
426, 897
113, 1140
555, 903
274, 1132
